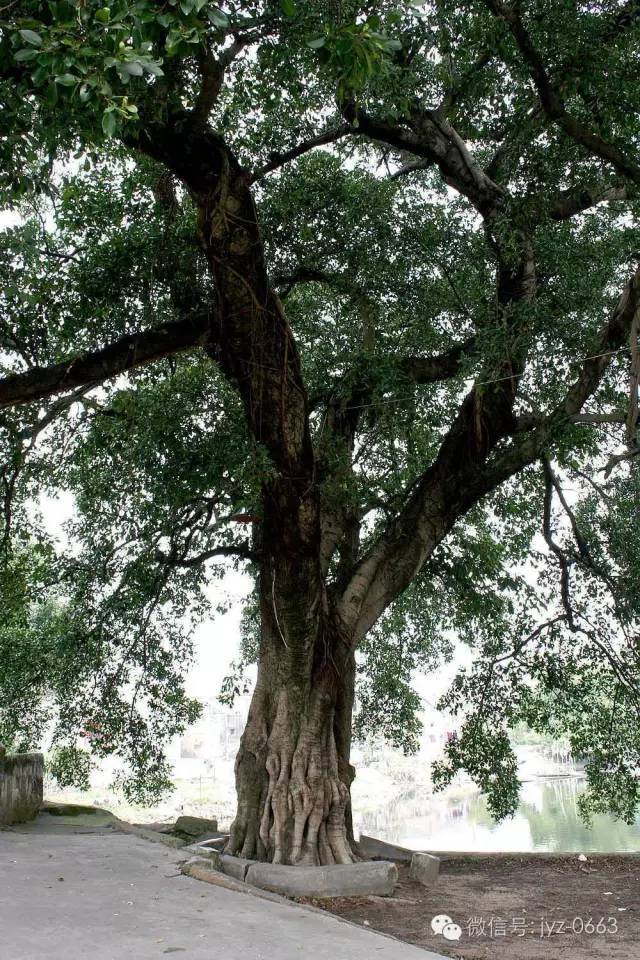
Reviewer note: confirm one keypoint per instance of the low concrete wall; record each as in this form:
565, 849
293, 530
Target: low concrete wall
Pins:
20, 786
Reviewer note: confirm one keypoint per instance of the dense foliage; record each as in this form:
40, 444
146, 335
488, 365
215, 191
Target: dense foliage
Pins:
384, 248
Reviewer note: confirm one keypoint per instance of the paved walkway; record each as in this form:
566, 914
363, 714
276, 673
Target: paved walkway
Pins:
71, 889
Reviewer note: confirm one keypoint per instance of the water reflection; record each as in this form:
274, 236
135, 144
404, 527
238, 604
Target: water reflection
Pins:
547, 819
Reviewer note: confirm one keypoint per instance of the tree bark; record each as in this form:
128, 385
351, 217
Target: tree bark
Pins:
292, 771
293, 774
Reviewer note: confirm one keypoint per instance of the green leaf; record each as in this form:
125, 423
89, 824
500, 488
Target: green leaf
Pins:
67, 80
132, 67
153, 68
22, 55
103, 14
39, 75
217, 17
109, 123
30, 36
317, 43
289, 7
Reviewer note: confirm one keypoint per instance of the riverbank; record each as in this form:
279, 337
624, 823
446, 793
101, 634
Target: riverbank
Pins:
515, 908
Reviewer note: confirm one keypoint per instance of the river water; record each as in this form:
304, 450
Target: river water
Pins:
458, 819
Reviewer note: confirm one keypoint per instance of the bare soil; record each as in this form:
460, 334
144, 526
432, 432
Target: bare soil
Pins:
514, 908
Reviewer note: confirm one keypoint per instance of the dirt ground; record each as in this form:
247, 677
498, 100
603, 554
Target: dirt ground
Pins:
515, 908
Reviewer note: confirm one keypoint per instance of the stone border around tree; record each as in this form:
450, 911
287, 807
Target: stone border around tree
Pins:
423, 867
374, 849
368, 878
374, 877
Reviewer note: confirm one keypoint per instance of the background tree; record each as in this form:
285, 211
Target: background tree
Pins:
344, 293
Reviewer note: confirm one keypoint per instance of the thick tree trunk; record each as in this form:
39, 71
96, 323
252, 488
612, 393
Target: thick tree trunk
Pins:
292, 772
293, 775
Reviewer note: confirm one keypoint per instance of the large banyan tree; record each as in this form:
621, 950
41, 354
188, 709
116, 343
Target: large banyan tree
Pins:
345, 295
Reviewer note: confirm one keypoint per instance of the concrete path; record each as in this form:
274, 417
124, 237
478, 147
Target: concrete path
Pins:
79, 889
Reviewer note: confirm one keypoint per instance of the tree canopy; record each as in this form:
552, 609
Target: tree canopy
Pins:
371, 262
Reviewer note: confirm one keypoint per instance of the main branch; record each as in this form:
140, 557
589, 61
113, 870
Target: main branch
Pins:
551, 100
131, 351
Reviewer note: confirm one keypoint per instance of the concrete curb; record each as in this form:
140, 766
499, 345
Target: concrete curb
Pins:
136, 830
424, 868
200, 868
196, 826
152, 835
375, 849
206, 853
372, 878
235, 867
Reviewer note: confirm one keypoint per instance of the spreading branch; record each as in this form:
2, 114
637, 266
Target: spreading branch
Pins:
631, 423
411, 167
568, 203
278, 160
614, 336
551, 99
461, 475
285, 283
131, 351
624, 19
254, 344
242, 551
428, 134
584, 555
597, 419
418, 369
442, 366
213, 69
459, 84
530, 445
565, 562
